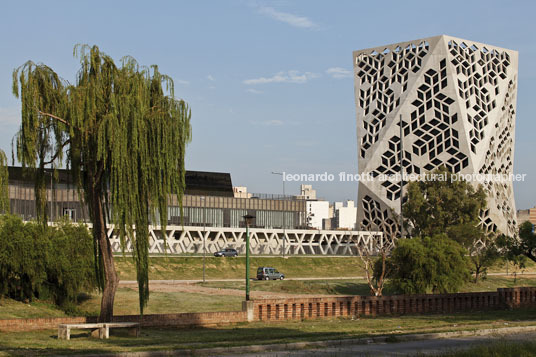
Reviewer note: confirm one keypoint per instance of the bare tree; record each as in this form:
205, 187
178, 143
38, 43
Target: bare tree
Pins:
375, 279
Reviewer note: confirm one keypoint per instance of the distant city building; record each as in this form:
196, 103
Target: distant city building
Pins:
524, 215
438, 101
241, 192
327, 224
323, 215
307, 192
345, 215
317, 212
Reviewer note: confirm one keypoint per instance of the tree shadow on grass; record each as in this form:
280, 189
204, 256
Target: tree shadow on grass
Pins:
350, 288
154, 339
188, 338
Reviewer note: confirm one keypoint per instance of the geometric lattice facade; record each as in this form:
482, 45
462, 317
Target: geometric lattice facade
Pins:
195, 240
457, 104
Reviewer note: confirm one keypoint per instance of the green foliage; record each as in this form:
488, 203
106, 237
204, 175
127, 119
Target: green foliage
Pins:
481, 247
125, 137
466, 234
38, 261
23, 255
524, 245
423, 265
451, 207
436, 207
70, 263
482, 258
517, 250
4, 193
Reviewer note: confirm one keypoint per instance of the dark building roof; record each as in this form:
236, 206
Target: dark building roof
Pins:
197, 182
25, 175
209, 183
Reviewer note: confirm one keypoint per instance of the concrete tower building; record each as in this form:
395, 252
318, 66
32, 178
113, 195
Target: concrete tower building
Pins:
454, 101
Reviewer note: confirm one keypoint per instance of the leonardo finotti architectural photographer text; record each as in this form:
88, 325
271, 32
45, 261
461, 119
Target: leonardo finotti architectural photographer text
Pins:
369, 177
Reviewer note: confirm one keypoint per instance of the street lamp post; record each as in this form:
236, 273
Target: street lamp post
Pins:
401, 179
284, 223
204, 234
248, 218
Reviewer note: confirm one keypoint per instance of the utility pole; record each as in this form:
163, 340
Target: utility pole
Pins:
283, 213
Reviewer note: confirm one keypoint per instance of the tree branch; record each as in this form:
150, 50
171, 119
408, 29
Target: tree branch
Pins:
54, 117
57, 153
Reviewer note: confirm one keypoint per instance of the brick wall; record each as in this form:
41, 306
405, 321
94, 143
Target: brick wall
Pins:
186, 319
41, 323
312, 308
328, 307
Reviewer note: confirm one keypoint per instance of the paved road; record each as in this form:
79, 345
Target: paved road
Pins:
242, 279
410, 348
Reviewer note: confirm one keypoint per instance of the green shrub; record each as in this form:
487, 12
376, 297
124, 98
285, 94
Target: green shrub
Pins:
22, 258
70, 264
44, 262
424, 265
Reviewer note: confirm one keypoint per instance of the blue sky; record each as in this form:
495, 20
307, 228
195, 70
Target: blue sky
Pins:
268, 82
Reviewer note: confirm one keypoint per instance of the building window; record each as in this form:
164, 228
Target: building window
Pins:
70, 213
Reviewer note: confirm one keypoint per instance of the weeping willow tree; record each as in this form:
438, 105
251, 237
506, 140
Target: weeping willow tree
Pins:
123, 135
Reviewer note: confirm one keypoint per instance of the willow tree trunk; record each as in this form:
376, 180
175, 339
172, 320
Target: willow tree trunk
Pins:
111, 279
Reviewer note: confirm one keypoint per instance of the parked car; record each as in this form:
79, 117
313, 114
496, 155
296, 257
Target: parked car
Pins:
227, 252
268, 273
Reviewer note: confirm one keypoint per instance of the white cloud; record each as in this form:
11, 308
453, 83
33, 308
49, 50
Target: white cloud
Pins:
273, 122
284, 77
339, 72
254, 91
10, 116
210, 78
182, 81
290, 19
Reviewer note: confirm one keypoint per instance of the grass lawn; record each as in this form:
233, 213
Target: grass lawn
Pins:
505, 267
191, 268
501, 348
11, 309
169, 268
45, 342
324, 287
126, 303
358, 287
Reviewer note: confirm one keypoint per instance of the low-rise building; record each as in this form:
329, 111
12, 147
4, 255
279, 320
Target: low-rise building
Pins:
317, 212
345, 215
209, 201
526, 215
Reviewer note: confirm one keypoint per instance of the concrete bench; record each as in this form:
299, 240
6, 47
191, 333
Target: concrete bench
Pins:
101, 330
133, 327
64, 330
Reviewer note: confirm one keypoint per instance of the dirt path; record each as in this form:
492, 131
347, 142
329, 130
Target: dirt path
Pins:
194, 288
